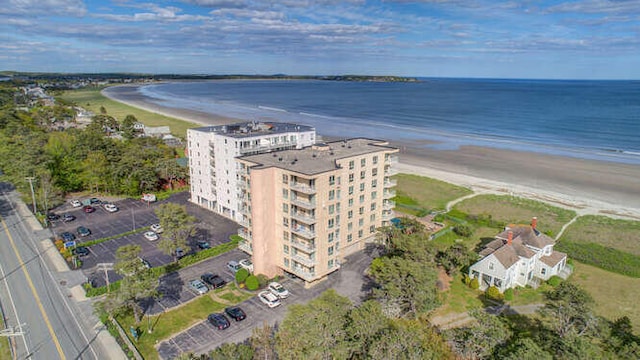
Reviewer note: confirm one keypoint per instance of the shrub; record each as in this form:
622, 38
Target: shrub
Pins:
466, 279
493, 293
263, 280
554, 280
242, 275
474, 283
252, 282
508, 294
464, 230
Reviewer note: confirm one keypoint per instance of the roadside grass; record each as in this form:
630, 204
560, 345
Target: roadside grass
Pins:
615, 295
459, 298
5, 350
415, 191
623, 235
91, 99
504, 209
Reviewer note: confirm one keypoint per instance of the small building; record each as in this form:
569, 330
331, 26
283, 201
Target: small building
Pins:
157, 131
519, 256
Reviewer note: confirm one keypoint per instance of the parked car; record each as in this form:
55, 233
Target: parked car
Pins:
247, 264
88, 209
198, 286
83, 231
233, 266
75, 203
278, 290
180, 253
214, 280
67, 236
235, 313
53, 217
156, 228
95, 201
110, 208
145, 263
219, 321
80, 251
68, 217
151, 236
269, 299
203, 244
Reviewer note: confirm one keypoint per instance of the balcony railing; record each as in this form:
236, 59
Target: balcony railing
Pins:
305, 275
304, 260
388, 205
302, 187
246, 247
244, 210
244, 233
391, 160
304, 232
302, 202
305, 218
388, 193
390, 183
245, 222
306, 247
387, 215
390, 171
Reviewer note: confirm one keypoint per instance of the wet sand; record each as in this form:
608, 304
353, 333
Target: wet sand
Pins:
587, 186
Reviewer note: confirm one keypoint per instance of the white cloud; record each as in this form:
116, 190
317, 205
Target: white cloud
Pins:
598, 6
43, 7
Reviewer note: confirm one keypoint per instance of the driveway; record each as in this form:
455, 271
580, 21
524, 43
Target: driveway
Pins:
349, 281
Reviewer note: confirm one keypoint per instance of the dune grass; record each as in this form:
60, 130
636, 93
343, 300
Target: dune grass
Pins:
418, 192
91, 99
623, 235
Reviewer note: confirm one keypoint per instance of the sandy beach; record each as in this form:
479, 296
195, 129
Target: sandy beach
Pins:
586, 186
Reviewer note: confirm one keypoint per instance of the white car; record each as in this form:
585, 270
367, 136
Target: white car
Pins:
75, 203
157, 228
198, 286
278, 290
151, 236
110, 208
269, 299
247, 264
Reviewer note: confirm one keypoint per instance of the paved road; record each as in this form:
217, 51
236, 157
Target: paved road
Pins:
32, 295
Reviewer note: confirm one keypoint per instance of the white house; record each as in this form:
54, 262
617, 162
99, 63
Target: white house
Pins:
519, 256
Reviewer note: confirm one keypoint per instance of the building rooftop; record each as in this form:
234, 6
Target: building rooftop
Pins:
318, 158
252, 128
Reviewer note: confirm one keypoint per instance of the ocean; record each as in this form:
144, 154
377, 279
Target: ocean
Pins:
586, 119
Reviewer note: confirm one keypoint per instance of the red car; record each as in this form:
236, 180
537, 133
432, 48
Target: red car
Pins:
88, 209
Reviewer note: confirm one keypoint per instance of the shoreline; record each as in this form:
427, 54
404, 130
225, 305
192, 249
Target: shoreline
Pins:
585, 186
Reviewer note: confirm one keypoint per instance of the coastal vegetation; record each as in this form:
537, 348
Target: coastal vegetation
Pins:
419, 195
623, 235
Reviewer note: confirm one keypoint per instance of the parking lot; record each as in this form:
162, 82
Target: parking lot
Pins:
349, 281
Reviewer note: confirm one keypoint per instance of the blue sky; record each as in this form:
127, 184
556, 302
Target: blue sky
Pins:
588, 39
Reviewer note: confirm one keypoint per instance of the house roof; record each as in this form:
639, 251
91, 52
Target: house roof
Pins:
507, 256
524, 237
528, 235
553, 259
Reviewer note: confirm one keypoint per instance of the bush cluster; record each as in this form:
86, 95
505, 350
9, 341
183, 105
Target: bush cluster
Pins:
554, 281
493, 293
508, 294
252, 282
474, 283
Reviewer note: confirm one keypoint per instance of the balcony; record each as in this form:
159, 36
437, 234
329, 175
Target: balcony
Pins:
245, 222
303, 217
303, 203
390, 171
388, 205
306, 247
242, 185
246, 247
388, 183
304, 232
212, 162
302, 187
387, 215
305, 275
244, 233
390, 160
246, 210
304, 260
388, 193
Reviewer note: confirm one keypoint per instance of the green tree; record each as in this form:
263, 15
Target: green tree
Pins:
252, 282
364, 326
410, 340
315, 330
480, 340
455, 257
138, 282
127, 127
526, 349
232, 351
242, 275
568, 310
170, 170
263, 342
96, 171
464, 230
178, 225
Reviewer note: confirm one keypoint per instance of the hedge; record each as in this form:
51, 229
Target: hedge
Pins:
252, 283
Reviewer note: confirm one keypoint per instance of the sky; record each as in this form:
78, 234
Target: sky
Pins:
585, 39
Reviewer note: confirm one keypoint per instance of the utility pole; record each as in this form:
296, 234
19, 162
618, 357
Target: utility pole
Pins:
33, 194
105, 267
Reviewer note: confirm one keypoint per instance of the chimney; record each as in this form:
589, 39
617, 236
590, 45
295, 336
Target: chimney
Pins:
509, 237
534, 222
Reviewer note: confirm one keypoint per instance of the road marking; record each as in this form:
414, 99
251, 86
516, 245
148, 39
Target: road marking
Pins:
13, 306
33, 290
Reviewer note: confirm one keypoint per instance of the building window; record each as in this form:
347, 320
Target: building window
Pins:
361, 210
375, 159
350, 214
338, 206
285, 235
351, 190
332, 180
374, 194
332, 194
285, 179
285, 248
363, 162
286, 262
360, 222
330, 250
285, 193
350, 202
374, 172
330, 223
349, 226
362, 174
361, 186
330, 263
285, 222
372, 229
543, 271
361, 199
351, 177
351, 165
349, 238
331, 209
373, 206
360, 233
285, 208
372, 217
330, 237
374, 183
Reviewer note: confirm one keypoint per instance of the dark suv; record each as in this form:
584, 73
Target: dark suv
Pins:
235, 313
214, 280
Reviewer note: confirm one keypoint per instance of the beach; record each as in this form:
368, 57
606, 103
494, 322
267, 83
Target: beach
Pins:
586, 186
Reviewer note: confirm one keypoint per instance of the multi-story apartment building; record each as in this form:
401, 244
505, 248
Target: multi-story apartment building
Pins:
213, 149
304, 210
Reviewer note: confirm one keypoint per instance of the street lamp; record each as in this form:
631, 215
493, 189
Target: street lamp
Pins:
33, 194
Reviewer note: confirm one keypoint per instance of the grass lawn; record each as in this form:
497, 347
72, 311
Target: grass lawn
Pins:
481, 234
425, 193
91, 99
459, 298
615, 295
172, 322
514, 210
5, 351
623, 235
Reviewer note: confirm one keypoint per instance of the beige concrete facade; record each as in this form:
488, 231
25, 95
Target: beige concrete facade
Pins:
305, 210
